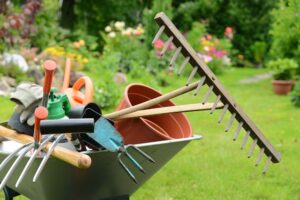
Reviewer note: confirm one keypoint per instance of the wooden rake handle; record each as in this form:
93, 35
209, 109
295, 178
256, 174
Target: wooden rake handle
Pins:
74, 158
153, 102
170, 109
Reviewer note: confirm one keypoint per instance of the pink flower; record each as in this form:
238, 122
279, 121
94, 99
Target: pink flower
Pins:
219, 54
228, 33
159, 44
228, 29
205, 58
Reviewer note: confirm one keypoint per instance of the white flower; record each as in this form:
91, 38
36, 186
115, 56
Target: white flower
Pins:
112, 34
119, 25
128, 31
107, 29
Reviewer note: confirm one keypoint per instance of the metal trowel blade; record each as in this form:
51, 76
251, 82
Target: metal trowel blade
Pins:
106, 135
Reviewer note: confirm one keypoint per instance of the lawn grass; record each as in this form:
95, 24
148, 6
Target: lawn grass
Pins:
215, 167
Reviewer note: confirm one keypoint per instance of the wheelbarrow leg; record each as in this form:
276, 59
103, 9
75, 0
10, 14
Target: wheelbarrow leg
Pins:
9, 193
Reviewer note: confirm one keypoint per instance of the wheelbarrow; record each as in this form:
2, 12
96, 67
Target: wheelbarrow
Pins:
103, 180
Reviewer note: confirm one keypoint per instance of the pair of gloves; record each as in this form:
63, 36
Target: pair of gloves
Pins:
28, 97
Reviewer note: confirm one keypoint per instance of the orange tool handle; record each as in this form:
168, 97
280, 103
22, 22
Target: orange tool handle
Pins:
49, 67
41, 113
89, 90
67, 74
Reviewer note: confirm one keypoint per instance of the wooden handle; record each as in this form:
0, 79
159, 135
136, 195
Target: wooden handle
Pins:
74, 158
153, 102
49, 67
169, 110
67, 75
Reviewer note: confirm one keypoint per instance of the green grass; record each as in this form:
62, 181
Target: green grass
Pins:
215, 167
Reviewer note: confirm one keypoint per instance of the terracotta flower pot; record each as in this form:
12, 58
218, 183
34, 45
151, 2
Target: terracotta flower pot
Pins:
154, 128
282, 87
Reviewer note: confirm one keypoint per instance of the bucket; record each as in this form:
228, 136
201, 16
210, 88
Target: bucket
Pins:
154, 128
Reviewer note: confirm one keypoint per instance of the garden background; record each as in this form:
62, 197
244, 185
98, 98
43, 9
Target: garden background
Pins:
246, 43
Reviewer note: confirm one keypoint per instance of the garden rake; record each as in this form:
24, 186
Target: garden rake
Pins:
208, 77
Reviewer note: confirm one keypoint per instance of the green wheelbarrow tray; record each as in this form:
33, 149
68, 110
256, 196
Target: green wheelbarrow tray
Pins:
105, 179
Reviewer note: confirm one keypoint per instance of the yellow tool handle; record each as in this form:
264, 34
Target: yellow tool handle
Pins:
74, 158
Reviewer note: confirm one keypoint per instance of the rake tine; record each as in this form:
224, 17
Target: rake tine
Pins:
215, 104
10, 156
223, 113
245, 139
158, 34
125, 168
210, 89
238, 130
185, 62
252, 148
15, 164
191, 76
30, 161
267, 165
46, 157
230, 122
201, 82
142, 153
166, 45
175, 56
261, 152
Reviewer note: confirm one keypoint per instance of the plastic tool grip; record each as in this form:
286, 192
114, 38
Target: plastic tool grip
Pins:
49, 67
67, 126
41, 113
74, 158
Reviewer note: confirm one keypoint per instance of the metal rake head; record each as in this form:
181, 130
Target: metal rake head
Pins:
208, 77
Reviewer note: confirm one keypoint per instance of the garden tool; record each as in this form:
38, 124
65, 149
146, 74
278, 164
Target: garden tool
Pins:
58, 127
76, 97
214, 86
107, 136
169, 110
74, 158
24, 150
82, 139
40, 113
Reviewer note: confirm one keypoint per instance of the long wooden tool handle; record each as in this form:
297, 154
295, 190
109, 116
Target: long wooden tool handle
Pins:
74, 158
152, 102
170, 109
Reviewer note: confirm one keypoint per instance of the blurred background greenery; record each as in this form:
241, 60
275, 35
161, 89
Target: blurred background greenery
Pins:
110, 41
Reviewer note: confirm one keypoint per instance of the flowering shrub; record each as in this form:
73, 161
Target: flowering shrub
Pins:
60, 53
212, 50
17, 27
126, 43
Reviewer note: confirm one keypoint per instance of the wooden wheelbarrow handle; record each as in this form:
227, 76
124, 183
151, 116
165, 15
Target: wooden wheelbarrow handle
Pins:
74, 158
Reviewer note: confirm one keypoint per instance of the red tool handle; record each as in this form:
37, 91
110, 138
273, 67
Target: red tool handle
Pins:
41, 113
49, 67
